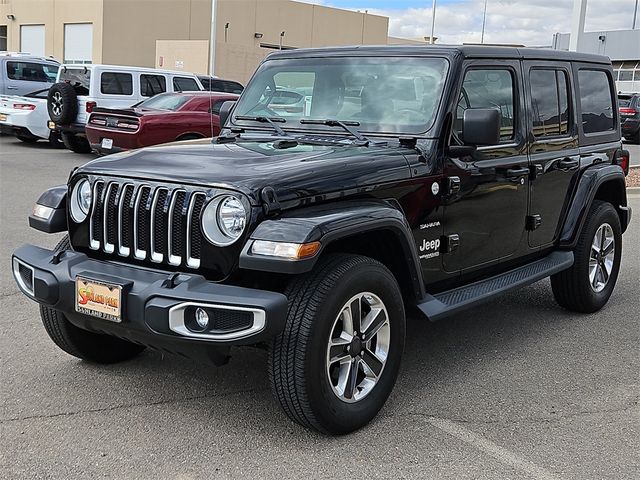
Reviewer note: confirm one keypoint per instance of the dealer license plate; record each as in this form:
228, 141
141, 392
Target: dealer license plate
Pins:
107, 143
3, 117
102, 300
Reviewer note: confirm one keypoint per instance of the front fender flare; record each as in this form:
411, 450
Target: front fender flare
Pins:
56, 199
326, 224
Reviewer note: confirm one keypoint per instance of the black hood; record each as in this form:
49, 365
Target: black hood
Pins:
249, 166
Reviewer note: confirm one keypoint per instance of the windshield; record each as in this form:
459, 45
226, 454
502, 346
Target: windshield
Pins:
383, 94
165, 101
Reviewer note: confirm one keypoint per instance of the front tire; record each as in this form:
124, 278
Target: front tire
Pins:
89, 346
588, 284
335, 363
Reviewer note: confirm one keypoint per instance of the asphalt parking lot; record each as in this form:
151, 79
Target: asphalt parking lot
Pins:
518, 388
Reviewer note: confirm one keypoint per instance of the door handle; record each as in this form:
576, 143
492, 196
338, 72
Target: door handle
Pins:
11, 87
569, 163
517, 172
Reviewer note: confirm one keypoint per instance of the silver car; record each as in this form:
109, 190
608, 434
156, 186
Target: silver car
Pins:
21, 74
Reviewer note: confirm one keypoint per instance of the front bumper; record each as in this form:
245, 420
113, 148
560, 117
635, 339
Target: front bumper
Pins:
152, 300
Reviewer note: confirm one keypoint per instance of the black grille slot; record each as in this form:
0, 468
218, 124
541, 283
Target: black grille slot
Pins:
96, 219
160, 223
111, 212
127, 217
178, 232
142, 228
196, 234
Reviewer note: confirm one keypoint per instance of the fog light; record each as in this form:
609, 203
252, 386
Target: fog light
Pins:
202, 318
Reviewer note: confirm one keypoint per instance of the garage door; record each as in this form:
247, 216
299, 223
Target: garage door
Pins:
32, 39
78, 42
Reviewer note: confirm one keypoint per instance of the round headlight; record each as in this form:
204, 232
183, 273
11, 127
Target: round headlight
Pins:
231, 217
81, 198
223, 220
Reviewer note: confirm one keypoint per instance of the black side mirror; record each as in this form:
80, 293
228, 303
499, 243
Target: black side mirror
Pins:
481, 126
225, 111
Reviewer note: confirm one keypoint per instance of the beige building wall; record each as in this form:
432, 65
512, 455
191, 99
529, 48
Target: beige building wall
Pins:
139, 32
53, 14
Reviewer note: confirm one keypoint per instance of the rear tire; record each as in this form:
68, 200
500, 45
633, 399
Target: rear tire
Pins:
588, 284
312, 361
76, 143
55, 140
62, 103
89, 346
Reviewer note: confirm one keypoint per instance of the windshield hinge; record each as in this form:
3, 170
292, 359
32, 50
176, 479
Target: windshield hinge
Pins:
270, 203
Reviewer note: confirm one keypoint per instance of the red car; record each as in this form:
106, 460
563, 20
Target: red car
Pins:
164, 118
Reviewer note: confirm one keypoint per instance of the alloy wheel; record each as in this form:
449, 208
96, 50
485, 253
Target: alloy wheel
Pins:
358, 347
56, 103
602, 257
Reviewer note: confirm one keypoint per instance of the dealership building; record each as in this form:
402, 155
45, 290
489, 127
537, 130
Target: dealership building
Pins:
176, 34
621, 46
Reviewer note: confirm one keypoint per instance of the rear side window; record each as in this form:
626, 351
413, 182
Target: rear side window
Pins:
79, 78
596, 101
549, 102
116, 83
32, 72
490, 88
151, 85
224, 86
185, 84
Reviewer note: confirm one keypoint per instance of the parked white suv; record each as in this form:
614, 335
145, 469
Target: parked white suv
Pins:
81, 88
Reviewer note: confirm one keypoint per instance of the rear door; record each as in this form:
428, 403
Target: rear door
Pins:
487, 212
553, 154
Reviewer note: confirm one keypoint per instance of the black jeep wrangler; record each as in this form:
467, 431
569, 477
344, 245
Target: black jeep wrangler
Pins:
421, 178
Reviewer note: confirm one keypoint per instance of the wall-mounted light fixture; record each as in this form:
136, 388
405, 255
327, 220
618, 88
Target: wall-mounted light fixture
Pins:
258, 35
11, 16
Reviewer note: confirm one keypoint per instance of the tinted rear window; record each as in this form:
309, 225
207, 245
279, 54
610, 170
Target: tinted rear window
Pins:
116, 83
32, 72
595, 101
185, 84
169, 101
79, 78
151, 85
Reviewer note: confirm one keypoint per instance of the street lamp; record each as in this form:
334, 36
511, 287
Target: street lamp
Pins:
484, 21
212, 39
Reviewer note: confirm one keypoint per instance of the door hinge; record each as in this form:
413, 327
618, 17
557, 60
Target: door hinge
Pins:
453, 185
533, 222
450, 243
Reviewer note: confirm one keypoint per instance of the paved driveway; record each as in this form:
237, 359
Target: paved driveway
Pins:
518, 388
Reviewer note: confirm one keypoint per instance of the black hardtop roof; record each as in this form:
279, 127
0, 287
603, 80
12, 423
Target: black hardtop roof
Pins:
465, 51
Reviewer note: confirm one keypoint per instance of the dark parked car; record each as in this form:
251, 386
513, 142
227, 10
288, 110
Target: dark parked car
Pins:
428, 179
215, 84
629, 108
161, 119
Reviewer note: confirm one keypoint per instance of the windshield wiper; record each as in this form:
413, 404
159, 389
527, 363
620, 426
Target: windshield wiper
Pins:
270, 120
346, 126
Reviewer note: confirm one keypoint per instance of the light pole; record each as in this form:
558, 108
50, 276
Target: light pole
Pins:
433, 21
635, 15
212, 39
484, 21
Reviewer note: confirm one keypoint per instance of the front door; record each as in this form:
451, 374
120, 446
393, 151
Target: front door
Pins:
488, 211
554, 154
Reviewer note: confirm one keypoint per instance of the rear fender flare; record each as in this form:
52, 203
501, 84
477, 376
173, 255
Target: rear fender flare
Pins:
588, 185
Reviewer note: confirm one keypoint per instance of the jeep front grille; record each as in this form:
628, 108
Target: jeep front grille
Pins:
156, 223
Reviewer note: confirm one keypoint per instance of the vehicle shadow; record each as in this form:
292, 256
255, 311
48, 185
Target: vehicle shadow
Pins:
436, 355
